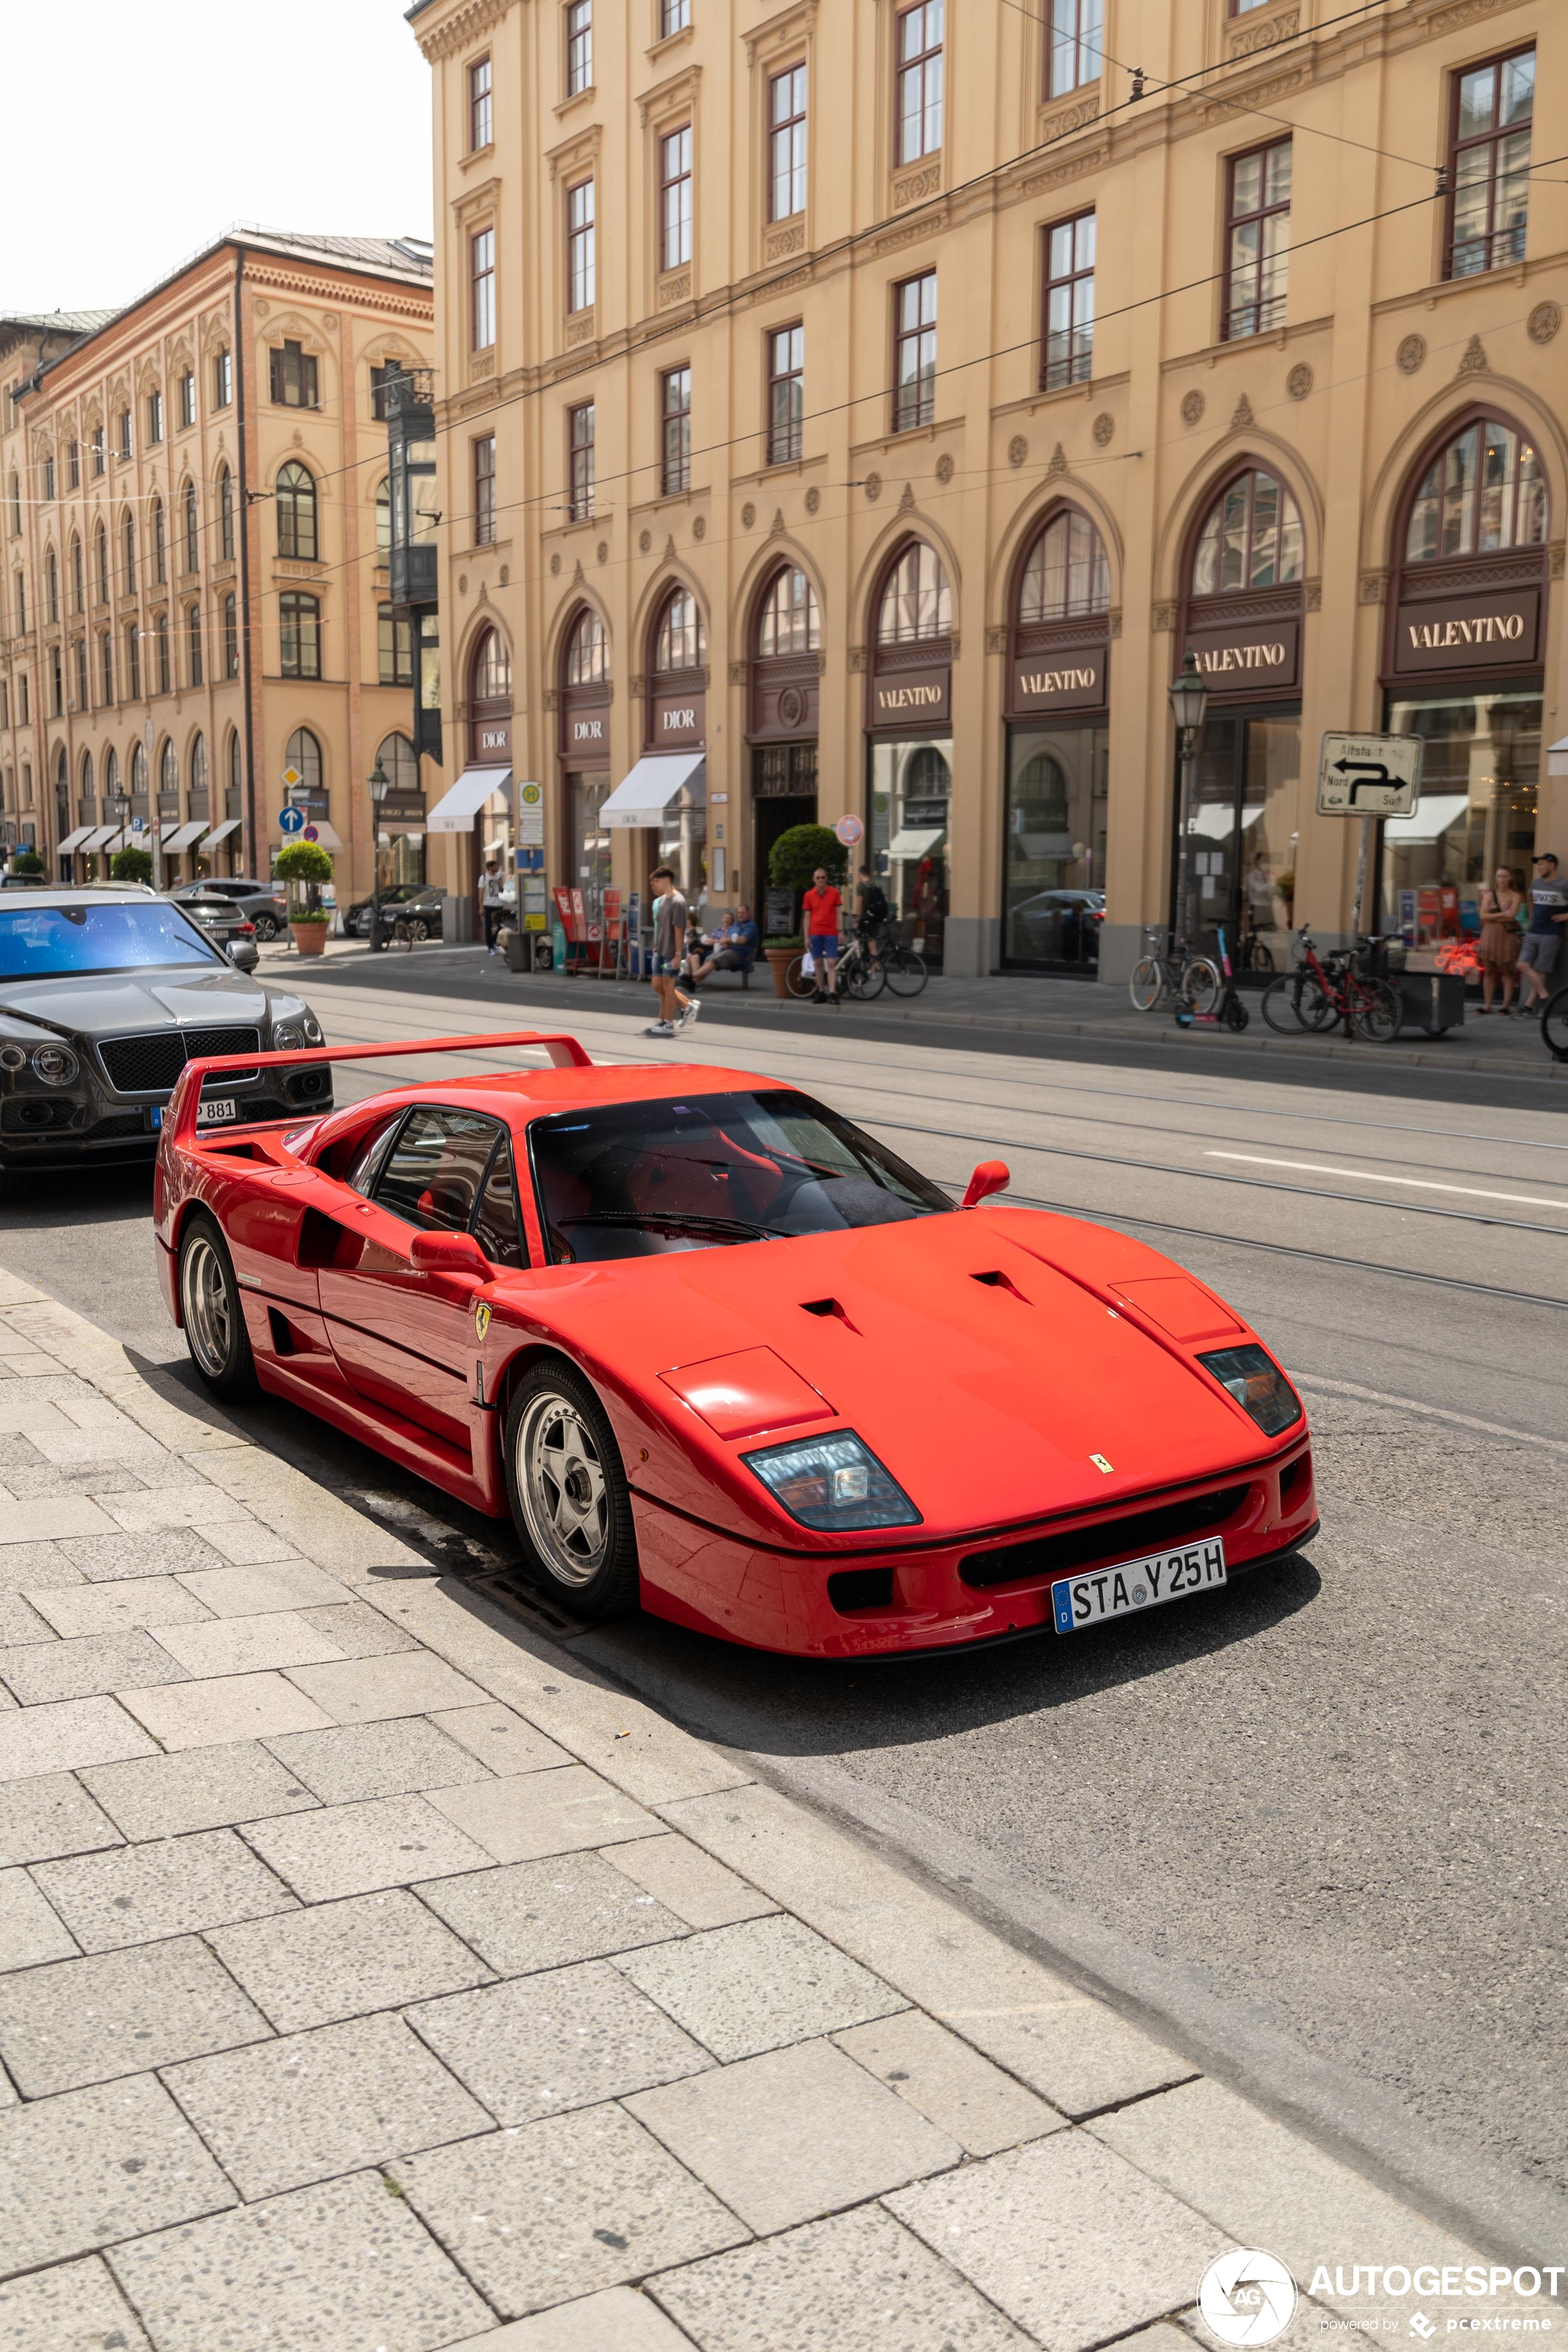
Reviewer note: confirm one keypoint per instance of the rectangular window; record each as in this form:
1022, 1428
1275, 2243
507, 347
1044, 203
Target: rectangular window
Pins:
79, 657
395, 639
579, 45
675, 432
674, 16
73, 466
300, 634
675, 199
380, 377
482, 289
96, 446
57, 685
154, 416
485, 492
294, 377
1488, 164
134, 663
161, 636
194, 643
787, 143
786, 395
106, 667
1072, 44
125, 433
919, 81
223, 380
48, 480
914, 352
187, 399
580, 448
230, 636
1069, 303
480, 120
579, 247
1257, 259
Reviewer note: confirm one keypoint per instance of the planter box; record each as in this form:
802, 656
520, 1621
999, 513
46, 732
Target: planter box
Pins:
310, 938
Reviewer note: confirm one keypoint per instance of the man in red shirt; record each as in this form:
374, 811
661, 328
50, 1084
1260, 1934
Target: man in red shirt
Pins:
821, 904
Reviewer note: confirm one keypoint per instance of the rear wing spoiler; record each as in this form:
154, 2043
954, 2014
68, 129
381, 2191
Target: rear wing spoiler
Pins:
179, 1123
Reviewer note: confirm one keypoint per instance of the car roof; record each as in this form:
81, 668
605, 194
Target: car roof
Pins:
122, 894
520, 1096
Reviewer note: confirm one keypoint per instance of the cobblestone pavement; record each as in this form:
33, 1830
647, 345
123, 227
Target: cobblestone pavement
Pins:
374, 1979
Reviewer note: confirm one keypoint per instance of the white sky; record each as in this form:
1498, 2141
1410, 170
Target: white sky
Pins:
134, 135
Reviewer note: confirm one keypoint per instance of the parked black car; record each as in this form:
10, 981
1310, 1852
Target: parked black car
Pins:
266, 905
228, 927
419, 904
105, 994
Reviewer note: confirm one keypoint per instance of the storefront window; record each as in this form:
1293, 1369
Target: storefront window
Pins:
586, 796
1241, 832
1053, 895
911, 792
400, 858
1480, 768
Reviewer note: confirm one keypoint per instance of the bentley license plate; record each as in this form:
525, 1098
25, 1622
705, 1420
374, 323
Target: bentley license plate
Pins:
1135, 1584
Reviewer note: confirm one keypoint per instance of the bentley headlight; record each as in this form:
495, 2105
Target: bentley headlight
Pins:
832, 1483
298, 1031
12, 1057
57, 1065
1258, 1386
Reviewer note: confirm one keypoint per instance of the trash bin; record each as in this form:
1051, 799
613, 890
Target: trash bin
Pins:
1433, 1000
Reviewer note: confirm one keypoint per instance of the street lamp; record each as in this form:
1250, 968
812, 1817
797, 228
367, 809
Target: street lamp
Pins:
1189, 701
380, 786
121, 803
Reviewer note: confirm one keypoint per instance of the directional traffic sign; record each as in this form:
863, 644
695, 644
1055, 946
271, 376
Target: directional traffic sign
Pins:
290, 821
1369, 776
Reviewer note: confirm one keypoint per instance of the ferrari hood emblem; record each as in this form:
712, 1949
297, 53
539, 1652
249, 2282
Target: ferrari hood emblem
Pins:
1099, 1460
482, 1320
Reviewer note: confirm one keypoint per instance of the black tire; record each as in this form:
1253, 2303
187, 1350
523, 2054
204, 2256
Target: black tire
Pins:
1376, 1016
800, 983
211, 1314
1554, 1025
865, 979
1233, 1012
905, 970
1282, 1003
266, 927
570, 1502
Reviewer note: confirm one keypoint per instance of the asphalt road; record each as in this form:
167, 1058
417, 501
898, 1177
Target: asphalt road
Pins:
1316, 1825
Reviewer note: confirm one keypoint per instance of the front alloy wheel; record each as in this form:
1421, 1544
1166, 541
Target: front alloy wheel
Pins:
569, 1493
216, 1334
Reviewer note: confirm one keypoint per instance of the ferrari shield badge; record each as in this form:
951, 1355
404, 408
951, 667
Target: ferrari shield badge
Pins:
1099, 1460
481, 1318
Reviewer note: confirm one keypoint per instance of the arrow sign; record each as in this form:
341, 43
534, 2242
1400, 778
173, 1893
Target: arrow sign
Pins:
290, 821
1369, 776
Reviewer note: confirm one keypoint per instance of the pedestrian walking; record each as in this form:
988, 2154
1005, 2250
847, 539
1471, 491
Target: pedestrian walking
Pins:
493, 902
821, 907
676, 1011
1542, 943
1497, 950
872, 910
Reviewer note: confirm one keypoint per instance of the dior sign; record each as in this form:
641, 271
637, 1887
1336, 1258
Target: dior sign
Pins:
1500, 631
492, 743
588, 734
677, 721
1244, 657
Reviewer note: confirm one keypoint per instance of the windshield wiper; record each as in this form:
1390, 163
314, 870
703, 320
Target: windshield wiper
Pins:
678, 1219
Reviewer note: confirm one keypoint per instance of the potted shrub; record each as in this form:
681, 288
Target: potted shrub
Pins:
27, 862
304, 866
792, 861
130, 865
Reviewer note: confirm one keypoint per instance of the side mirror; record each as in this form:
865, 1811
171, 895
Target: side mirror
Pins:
449, 1254
991, 1176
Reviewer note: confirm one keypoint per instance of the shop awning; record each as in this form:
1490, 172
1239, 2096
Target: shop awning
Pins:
73, 840
116, 838
97, 837
220, 833
1434, 816
327, 836
916, 841
456, 812
183, 837
653, 783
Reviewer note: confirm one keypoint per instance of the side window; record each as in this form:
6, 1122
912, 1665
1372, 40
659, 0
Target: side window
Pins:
497, 1227
434, 1172
364, 1167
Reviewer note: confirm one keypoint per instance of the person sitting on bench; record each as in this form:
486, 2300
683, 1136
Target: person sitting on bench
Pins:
734, 949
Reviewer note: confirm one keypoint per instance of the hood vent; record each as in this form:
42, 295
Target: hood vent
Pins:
1000, 1281
829, 1306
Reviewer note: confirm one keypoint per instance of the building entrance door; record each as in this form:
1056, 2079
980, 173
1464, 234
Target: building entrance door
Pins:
784, 793
1241, 831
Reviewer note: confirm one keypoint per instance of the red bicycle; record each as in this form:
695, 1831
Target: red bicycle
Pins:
1320, 993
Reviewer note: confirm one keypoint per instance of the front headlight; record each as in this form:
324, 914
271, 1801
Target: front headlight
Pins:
299, 1030
56, 1065
1258, 1386
834, 1483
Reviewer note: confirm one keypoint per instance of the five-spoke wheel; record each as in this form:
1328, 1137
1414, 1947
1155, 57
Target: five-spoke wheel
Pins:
569, 1493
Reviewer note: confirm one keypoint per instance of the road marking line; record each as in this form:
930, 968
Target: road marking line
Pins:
1365, 1176
1429, 1412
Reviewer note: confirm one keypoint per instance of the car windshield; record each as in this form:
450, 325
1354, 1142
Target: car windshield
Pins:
51, 943
636, 1179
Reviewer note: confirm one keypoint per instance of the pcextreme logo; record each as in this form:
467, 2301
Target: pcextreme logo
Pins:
1248, 2297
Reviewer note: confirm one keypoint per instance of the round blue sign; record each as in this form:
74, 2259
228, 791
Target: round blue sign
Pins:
290, 821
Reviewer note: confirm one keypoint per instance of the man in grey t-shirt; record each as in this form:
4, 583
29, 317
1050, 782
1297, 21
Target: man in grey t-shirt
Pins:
668, 936
1542, 943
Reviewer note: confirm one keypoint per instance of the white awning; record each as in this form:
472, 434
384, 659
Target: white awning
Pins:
116, 838
326, 838
916, 841
166, 832
97, 837
644, 795
1433, 817
73, 840
456, 812
183, 837
220, 833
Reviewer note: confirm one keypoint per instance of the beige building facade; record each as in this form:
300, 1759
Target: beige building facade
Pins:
881, 400
195, 579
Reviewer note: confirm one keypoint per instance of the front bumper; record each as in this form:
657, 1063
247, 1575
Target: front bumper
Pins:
883, 1603
99, 1129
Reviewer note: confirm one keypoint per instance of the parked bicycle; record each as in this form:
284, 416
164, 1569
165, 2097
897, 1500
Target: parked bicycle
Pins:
1554, 1025
1322, 991
869, 962
1253, 952
1166, 972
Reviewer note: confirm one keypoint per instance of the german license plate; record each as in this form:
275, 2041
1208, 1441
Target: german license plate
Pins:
214, 1111
1135, 1584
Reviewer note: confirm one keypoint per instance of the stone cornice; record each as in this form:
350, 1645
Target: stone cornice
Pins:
461, 27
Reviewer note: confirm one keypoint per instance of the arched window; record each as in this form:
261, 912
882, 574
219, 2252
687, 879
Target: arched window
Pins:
128, 555
198, 769
51, 585
305, 754
161, 639
192, 527
110, 774
88, 803
296, 500
16, 503
399, 763
383, 516
229, 612
300, 634
22, 603
587, 651
78, 583
1067, 572
916, 601
1251, 539
491, 670
789, 622
169, 769
100, 562
236, 764
1486, 490
679, 641
62, 794
224, 515
139, 773
159, 562
193, 643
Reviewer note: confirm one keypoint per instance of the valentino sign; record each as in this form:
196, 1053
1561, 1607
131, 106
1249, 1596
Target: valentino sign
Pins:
1240, 657
912, 698
1496, 631
1059, 682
